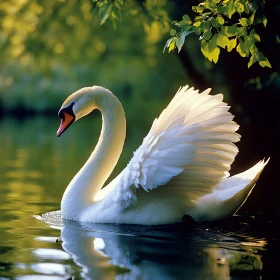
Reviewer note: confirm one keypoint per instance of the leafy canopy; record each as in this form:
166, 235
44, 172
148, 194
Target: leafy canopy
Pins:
226, 24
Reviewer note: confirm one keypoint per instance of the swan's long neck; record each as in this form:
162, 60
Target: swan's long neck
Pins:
92, 176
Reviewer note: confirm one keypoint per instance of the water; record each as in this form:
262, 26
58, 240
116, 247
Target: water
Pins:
35, 168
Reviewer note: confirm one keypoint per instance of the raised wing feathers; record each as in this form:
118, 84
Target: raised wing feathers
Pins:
188, 149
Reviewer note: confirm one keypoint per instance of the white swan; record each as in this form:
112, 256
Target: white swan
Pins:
181, 168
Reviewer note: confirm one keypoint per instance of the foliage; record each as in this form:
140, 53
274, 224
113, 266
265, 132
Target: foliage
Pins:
226, 24
51, 48
152, 11
109, 9
43, 44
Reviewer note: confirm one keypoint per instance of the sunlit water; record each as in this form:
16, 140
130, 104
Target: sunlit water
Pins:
35, 169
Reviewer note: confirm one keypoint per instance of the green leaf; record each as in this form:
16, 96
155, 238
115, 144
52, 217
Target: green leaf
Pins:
222, 40
198, 9
214, 55
257, 37
172, 44
197, 23
198, 18
239, 8
231, 45
104, 12
265, 63
244, 21
183, 24
254, 50
230, 30
113, 15
167, 44
240, 48
196, 30
223, 10
252, 60
186, 18
201, 28
220, 20
265, 22
252, 17
241, 31
261, 56
207, 24
204, 48
213, 4
231, 9
248, 43
172, 32
207, 35
214, 22
212, 44
180, 41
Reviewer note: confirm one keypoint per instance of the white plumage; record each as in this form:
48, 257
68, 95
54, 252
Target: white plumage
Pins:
181, 168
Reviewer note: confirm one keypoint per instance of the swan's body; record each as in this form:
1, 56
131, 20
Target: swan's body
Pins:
180, 169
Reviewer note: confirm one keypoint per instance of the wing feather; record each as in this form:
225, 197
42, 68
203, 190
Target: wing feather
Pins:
188, 150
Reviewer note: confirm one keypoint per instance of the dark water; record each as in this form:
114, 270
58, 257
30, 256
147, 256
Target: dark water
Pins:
35, 168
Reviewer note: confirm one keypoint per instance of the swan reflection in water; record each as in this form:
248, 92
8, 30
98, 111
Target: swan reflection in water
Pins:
106, 251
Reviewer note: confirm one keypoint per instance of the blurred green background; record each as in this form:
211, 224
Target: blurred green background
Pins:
50, 49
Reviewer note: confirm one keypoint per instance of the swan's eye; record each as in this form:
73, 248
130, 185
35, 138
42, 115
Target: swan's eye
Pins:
61, 115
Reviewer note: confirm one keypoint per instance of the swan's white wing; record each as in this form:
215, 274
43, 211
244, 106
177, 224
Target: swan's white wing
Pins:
187, 151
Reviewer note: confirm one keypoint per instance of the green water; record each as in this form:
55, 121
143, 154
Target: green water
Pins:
35, 168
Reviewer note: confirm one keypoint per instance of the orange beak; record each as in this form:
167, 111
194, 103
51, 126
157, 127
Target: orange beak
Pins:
65, 123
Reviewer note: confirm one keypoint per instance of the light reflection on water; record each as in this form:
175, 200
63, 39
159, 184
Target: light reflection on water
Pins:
35, 168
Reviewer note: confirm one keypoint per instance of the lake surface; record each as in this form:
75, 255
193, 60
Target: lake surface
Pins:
36, 166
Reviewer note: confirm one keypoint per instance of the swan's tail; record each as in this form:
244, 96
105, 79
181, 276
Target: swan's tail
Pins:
228, 196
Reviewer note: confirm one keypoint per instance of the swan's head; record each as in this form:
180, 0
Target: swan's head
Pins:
78, 105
